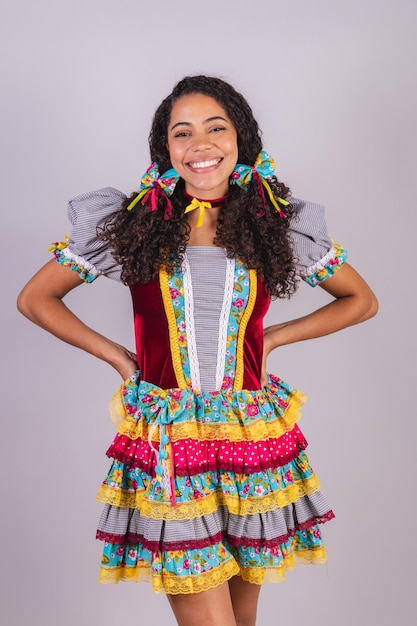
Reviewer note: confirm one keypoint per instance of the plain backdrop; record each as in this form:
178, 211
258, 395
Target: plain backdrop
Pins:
333, 86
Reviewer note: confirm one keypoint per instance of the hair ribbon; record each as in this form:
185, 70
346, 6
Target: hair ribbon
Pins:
262, 169
152, 184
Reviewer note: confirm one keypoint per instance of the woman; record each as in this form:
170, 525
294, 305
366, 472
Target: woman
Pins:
210, 492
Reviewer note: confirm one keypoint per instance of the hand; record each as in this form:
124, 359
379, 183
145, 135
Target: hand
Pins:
264, 378
125, 363
268, 347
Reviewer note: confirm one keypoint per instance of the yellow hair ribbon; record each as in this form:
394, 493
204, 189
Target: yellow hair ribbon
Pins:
136, 200
198, 204
273, 198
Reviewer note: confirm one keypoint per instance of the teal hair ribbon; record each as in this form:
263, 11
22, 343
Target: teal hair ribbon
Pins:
152, 184
262, 169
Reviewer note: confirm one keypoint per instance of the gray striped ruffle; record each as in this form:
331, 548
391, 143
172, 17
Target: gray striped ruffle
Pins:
267, 528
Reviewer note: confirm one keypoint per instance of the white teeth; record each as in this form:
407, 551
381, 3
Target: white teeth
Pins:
201, 164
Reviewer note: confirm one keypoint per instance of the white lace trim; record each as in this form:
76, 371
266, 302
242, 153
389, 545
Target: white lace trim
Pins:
331, 254
89, 267
224, 321
190, 327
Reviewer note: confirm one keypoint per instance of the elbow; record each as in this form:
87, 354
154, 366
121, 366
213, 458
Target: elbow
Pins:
22, 303
370, 307
373, 310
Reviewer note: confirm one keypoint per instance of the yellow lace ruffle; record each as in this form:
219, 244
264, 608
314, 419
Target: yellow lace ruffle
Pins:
168, 583
256, 431
207, 504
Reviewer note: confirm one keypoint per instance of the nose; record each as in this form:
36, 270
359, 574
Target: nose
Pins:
201, 141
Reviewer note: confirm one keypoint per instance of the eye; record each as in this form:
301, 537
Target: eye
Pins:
182, 133
217, 129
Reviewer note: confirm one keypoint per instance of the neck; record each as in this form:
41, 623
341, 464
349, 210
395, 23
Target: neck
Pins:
215, 202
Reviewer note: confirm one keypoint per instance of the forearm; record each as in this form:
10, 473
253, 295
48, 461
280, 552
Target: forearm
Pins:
41, 301
329, 319
51, 314
354, 303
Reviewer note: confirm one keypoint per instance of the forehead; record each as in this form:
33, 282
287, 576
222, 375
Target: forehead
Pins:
196, 107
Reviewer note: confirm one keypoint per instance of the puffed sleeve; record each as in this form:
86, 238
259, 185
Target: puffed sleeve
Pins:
317, 257
83, 251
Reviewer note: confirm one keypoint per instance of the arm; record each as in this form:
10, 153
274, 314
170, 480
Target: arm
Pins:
41, 302
354, 302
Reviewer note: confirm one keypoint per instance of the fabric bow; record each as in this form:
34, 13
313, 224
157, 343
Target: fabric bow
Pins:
163, 469
262, 169
198, 204
152, 184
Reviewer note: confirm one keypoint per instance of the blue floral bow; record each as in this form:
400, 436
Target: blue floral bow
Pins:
262, 169
152, 184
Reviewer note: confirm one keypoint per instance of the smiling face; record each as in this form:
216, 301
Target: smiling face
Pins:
202, 144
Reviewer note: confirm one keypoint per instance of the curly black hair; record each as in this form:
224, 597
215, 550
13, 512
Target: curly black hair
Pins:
142, 240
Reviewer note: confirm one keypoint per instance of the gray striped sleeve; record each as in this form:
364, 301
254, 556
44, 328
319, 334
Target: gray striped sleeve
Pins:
86, 212
312, 245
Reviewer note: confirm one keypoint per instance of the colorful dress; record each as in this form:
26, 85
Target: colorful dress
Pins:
209, 475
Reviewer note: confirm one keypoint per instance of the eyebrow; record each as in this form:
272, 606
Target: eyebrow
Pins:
209, 119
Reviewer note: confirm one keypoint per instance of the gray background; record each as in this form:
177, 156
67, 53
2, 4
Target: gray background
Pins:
333, 85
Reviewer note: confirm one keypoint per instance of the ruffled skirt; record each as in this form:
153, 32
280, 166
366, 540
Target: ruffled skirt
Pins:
208, 485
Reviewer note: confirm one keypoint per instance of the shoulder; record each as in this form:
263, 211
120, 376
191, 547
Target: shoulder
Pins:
317, 257
308, 218
84, 252
95, 205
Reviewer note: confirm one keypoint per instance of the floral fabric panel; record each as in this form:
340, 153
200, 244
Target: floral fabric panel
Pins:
177, 295
240, 297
